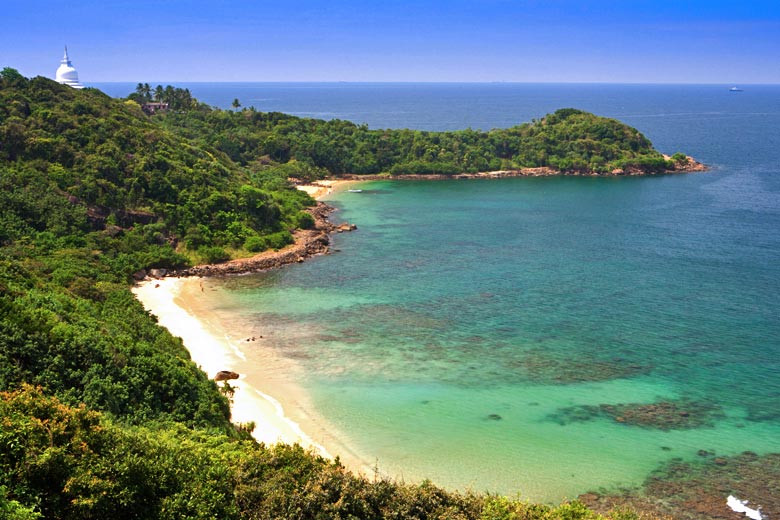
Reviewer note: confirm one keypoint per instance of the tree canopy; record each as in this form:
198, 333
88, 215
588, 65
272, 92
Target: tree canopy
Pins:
102, 412
569, 141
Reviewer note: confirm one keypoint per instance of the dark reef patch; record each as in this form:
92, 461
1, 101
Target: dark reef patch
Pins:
546, 369
663, 415
699, 489
764, 410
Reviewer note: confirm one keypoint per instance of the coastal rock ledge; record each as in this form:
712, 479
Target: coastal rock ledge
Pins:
688, 165
307, 243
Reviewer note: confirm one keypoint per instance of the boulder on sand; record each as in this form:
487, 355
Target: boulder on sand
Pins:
225, 375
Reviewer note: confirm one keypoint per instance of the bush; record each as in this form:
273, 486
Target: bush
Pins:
279, 240
213, 254
13, 510
425, 168
680, 158
305, 220
255, 244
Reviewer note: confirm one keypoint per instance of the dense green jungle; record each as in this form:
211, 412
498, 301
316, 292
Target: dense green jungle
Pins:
102, 412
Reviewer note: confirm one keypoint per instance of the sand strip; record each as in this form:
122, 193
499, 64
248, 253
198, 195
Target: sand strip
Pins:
171, 300
323, 188
214, 353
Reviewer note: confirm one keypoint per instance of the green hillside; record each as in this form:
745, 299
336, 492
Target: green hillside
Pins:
93, 155
102, 412
569, 141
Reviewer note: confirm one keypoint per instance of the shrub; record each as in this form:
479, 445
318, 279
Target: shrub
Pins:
305, 220
279, 240
680, 158
255, 244
213, 254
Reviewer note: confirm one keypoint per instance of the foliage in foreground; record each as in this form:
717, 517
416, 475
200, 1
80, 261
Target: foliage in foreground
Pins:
72, 463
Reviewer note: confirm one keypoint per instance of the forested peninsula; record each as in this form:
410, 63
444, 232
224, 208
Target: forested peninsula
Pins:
567, 142
102, 412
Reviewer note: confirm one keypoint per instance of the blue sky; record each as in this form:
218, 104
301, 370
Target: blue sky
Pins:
455, 40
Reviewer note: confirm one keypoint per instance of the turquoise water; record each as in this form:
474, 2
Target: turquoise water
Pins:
460, 332
459, 300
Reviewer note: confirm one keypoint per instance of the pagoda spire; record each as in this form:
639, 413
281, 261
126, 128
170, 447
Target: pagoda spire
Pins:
67, 74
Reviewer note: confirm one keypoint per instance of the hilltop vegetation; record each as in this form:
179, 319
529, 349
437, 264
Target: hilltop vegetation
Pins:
102, 412
98, 157
570, 141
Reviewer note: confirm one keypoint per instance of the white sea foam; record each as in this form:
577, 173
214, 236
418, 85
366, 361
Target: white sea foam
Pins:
740, 506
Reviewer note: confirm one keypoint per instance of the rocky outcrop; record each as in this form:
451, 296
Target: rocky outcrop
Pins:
307, 243
345, 227
688, 166
226, 375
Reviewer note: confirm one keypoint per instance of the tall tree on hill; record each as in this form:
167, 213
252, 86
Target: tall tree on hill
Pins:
144, 91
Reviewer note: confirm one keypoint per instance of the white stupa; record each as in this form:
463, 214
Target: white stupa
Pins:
66, 74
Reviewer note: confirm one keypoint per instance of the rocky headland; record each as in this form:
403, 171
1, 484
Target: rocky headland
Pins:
689, 165
315, 241
307, 243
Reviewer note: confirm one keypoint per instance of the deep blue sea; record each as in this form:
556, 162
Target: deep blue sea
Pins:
482, 333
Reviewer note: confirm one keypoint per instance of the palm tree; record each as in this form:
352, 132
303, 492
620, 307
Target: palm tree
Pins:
236, 103
159, 92
144, 92
170, 95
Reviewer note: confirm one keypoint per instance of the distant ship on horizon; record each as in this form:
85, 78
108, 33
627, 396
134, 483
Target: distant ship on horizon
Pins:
735, 89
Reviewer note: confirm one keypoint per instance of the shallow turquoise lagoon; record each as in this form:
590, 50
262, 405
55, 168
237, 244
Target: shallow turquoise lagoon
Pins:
461, 333
479, 332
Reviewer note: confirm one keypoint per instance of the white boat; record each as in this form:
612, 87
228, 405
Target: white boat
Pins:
355, 191
735, 89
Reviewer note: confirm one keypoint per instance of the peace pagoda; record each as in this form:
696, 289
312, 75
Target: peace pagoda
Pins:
66, 73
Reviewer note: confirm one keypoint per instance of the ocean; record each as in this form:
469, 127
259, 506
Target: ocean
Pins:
541, 336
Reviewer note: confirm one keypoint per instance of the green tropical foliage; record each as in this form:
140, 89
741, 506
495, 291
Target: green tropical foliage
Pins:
102, 412
104, 164
69, 462
569, 140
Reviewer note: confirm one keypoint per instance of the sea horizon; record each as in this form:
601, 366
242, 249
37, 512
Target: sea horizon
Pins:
484, 106
369, 82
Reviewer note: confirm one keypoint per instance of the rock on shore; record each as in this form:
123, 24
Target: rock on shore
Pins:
307, 243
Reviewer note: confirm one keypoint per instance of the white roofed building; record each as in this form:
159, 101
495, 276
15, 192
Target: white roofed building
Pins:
66, 73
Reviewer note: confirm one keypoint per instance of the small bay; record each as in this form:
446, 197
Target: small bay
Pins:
547, 336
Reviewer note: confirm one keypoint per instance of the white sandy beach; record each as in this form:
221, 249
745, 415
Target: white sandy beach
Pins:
175, 304
214, 353
323, 188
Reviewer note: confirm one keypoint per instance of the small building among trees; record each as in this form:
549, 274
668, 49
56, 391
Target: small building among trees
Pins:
152, 107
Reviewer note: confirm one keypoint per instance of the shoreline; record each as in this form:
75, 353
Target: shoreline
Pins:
212, 353
255, 398
306, 242
264, 393
258, 397
693, 166
321, 188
